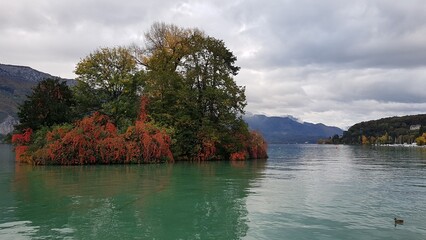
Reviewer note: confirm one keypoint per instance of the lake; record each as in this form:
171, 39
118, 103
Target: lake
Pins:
300, 192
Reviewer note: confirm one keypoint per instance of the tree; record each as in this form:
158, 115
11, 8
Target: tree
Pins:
50, 103
106, 83
189, 81
421, 140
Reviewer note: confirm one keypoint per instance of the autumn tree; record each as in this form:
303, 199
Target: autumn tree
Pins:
106, 83
189, 81
420, 141
50, 103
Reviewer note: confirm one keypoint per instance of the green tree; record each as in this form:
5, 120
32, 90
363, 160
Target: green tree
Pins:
50, 103
384, 139
189, 81
106, 83
335, 139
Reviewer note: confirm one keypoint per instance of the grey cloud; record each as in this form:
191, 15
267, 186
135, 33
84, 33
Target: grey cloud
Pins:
331, 61
354, 34
352, 95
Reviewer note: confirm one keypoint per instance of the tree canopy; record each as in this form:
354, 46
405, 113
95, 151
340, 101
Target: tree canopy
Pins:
106, 83
189, 82
50, 103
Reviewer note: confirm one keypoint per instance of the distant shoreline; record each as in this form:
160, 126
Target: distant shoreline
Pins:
401, 145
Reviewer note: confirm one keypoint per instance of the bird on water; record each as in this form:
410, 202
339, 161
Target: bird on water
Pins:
398, 221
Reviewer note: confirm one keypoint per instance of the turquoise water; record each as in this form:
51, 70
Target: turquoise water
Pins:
300, 192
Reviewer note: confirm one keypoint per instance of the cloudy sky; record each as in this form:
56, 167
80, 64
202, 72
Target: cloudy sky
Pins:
330, 61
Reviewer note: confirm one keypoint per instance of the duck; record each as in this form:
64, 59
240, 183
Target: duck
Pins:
398, 221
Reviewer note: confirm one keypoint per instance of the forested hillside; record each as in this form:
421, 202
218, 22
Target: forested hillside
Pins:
386, 130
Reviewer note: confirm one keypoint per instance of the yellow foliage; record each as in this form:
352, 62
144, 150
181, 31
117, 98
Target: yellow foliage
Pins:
365, 140
421, 140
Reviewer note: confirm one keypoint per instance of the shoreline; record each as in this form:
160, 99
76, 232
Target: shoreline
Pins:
413, 145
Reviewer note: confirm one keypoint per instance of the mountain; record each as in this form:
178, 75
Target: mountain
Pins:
289, 129
16, 82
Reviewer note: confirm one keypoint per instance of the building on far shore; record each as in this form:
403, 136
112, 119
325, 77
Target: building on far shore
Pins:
415, 127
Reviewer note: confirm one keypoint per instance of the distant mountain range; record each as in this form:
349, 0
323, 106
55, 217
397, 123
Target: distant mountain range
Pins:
289, 129
16, 82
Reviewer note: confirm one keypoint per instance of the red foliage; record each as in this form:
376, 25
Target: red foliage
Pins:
257, 147
95, 139
148, 143
250, 146
207, 151
92, 140
21, 141
238, 156
112, 149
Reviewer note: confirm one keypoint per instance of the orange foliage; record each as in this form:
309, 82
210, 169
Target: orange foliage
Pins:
207, 151
21, 141
257, 147
94, 139
238, 156
147, 143
91, 141
112, 149
253, 147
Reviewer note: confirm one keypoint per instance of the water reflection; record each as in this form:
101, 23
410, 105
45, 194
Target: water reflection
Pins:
180, 201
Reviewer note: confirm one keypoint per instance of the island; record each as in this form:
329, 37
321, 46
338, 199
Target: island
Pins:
172, 99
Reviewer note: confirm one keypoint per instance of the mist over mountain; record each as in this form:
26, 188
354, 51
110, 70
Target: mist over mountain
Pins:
16, 82
289, 129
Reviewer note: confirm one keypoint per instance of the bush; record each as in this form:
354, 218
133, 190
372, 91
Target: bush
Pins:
94, 139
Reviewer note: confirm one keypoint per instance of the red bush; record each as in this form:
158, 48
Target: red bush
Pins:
237, 156
250, 146
147, 143
257, 147
207, 151
21, 141
95, 139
